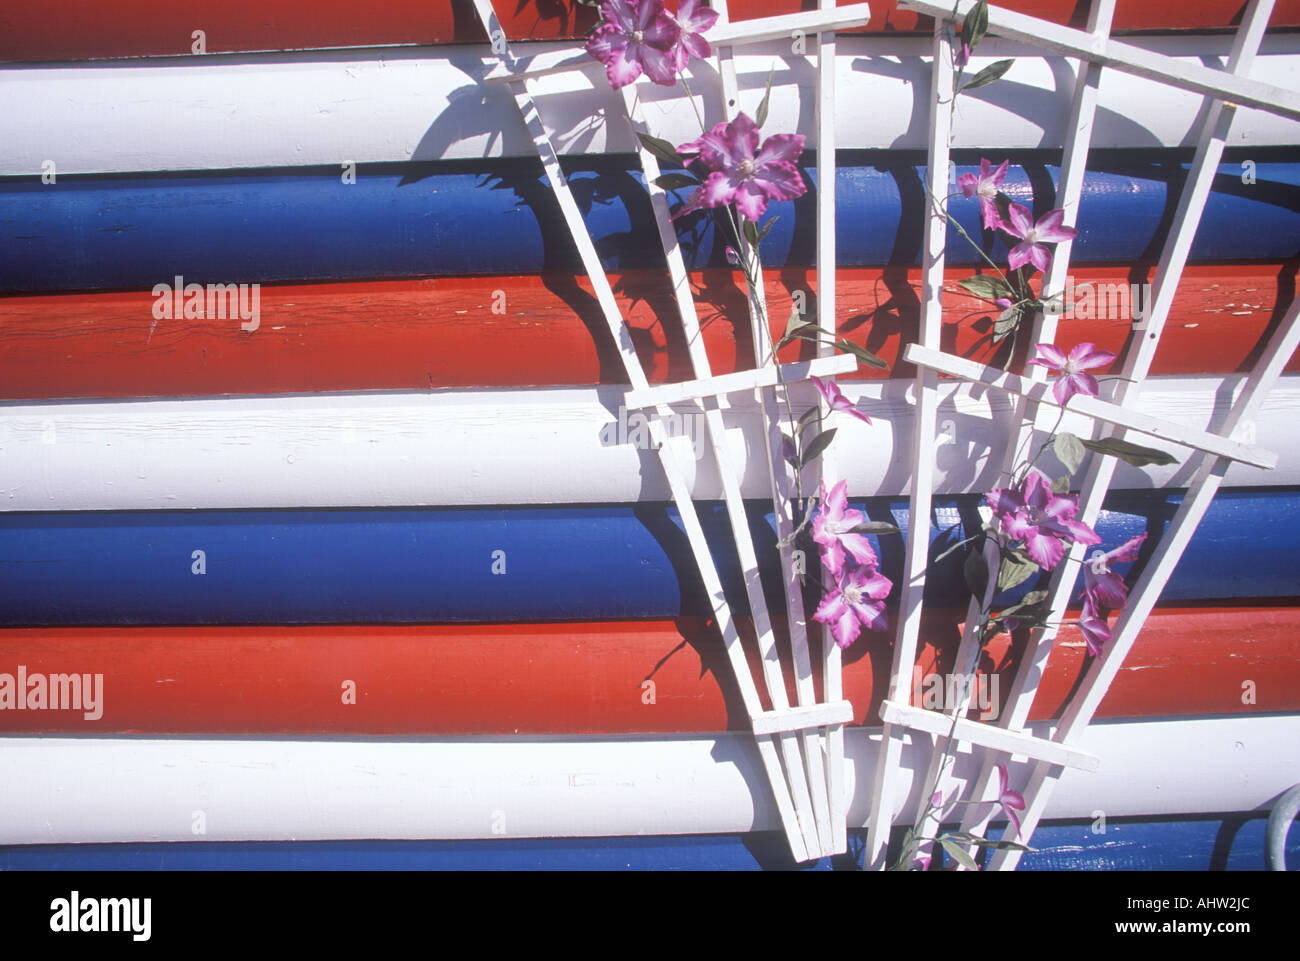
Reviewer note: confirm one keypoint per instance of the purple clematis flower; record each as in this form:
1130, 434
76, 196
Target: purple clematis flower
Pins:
636, 36
858, 601
1043, 520
1105, 588
692, 22
1033, 236
1093, 626
1074, 379
832, 530
742, 172
985, 186
836, 400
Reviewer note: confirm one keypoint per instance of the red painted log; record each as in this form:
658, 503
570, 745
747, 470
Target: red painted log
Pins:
445, 332
88, 29
579, 678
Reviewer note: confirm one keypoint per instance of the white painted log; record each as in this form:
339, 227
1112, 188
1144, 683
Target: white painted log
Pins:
67, 790
533, 446
332, 107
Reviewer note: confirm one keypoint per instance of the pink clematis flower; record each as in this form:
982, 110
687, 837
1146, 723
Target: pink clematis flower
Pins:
833, 532
742, 172
1073, 369
1010, 801
636, 36
1043, 520
1106, 588
1093, 626
692, 22
985, 186
1033, 236
858, 601
836, 400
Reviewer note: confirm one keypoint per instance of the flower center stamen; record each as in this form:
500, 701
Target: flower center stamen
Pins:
746, 169
638, 36
853, 594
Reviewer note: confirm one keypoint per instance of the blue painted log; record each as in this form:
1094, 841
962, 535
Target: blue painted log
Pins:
557, 563
1225, 842
136, 231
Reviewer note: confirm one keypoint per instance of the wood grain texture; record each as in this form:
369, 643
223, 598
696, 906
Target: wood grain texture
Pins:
515, 331
82, 29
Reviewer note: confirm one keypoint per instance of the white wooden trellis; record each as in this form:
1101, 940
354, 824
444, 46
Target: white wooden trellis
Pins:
997, 742
807, 738
802, 745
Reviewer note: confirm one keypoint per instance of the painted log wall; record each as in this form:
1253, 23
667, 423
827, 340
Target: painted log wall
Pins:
276, 226
92, 790
333, 109
526, 330
528, 564
125, 818
76, 30
587, 678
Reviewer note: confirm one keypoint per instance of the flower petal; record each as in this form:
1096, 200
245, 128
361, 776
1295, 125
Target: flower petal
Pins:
751, 200
1019, 255
1049, 355
1063, 390
780, 148
1043, 549
1021, 221
1086, 356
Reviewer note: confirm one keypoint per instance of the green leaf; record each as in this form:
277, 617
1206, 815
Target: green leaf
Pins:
793, 328
1013, 571
1069, 450
751, 232
766, 227
875, 527
676, 181
760, 118
976, 24
976, 572
986, 76
818, 444
986, 287
806, 418
862, 354
1030, 600
1134, 454
961, 542
958, 853
1007, 321
1061, 485
661, 149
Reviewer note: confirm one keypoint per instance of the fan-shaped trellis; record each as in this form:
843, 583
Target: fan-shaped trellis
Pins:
802, 744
